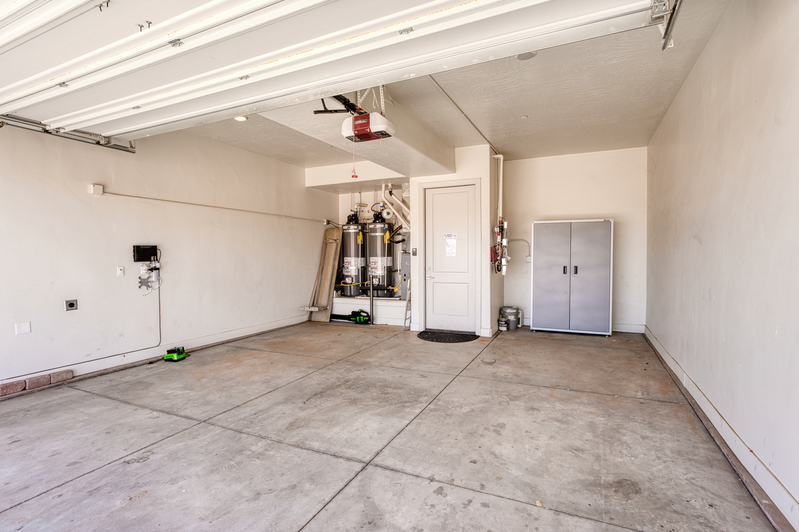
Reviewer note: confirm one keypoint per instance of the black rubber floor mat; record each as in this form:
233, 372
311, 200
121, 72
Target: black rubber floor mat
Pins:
446, 337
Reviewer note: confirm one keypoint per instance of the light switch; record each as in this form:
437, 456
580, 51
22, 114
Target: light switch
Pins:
22, 328
120, 271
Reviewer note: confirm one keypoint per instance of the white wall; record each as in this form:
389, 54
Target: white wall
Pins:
723, 255
346, 202
370, 176
607, 184
473, 164
225, 273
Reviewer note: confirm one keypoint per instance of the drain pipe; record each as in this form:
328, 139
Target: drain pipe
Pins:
499, 194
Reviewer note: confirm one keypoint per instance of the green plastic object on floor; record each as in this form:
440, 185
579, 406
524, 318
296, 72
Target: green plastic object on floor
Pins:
357, 316
175, 354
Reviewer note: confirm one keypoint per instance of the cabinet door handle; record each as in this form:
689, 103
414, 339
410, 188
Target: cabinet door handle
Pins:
575, 270
564, 270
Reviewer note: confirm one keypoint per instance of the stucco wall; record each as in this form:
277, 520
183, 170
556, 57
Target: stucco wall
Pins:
606, 184
225, 273
723, 251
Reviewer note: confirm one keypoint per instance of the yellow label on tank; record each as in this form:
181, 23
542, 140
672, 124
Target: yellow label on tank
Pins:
386, 237
360, 238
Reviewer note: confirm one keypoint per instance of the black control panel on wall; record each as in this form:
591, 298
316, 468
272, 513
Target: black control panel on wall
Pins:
145, 253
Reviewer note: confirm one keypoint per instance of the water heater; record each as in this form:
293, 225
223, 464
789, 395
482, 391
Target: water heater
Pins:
380, 258
353, 255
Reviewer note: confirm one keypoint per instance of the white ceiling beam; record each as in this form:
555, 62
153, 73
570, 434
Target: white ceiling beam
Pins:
370, 177
413, 150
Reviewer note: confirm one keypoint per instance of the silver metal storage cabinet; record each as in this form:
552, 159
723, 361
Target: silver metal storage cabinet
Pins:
572, 276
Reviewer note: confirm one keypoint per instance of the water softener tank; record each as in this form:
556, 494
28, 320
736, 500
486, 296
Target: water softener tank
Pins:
353, 255
380, 258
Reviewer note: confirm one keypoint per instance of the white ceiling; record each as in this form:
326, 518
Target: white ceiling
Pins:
605, 93
602, 94
266, 137
129, 68
118, 72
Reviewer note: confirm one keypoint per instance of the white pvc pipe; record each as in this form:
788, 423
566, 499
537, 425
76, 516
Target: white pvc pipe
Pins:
397, 213
399, 200
499, 199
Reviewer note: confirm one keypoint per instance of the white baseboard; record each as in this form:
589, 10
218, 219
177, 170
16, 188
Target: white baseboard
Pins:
216, 338
191, 343
628, 328
616, 327
768, 481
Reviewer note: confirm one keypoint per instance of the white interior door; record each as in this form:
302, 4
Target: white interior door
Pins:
451, 258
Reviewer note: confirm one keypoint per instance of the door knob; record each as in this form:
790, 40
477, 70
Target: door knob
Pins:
430, 277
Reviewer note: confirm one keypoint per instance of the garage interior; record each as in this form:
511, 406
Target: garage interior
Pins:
191, 126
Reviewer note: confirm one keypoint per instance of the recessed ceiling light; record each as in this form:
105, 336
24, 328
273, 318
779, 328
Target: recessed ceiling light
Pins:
524, 117
240, 118
526, 55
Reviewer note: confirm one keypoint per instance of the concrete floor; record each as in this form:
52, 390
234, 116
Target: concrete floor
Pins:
326, 427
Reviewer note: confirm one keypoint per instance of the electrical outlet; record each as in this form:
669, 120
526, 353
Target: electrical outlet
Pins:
120, 271
70, 304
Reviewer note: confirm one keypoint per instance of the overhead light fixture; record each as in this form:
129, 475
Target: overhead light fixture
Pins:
526, 55
524, 117
241, 118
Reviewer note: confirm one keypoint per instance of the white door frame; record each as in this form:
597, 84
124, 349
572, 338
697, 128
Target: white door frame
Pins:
419, 298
